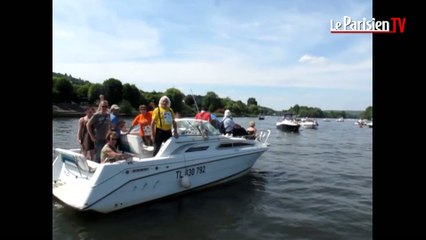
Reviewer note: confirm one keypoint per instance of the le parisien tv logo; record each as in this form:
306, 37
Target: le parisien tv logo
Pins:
347, 25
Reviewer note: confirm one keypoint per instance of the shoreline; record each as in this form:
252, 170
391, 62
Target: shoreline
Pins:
67, 110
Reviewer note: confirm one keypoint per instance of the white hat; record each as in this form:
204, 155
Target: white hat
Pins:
227, 113
115, 106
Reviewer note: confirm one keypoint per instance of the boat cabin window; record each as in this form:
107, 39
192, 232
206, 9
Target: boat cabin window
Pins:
197, 149
236, 144
195, 127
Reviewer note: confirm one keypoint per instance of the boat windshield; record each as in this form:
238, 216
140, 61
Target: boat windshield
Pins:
195, 127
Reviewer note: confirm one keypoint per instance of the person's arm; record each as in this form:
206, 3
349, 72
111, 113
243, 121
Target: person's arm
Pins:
90, 130
80, 131
134, 123
153, 129
175, 132
111, 155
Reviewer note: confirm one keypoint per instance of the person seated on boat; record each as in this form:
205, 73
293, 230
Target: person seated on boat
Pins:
109, 152
163, 119
144, 119
239, 131
122, 126
204, 114
83, 137
228, 122
251, 130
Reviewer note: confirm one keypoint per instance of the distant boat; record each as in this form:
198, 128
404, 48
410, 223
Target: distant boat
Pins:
261, 117
340, 119
288, 123
309, 123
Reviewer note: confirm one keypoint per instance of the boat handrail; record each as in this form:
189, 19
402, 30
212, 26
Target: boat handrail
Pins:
263, 136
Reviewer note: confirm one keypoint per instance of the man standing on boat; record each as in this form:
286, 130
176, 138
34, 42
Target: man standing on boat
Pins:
163, 119
98, 127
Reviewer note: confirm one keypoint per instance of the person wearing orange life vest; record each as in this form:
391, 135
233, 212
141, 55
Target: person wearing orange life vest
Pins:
144, 120
163, 119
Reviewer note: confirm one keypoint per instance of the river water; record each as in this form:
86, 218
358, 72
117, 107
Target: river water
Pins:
316, 184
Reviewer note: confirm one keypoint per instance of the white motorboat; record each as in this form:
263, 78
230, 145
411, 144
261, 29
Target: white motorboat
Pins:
288, 124
370, 124
309, 123
199, 158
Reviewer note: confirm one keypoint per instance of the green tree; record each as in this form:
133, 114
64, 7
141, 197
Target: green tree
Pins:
228, 103
126, 107
94, 91
82, 92
64, 90
152, 96
251, 101
212, 101
238, 108
253, 109
113, 90
368, 113
295, 109
176, 97
132, 95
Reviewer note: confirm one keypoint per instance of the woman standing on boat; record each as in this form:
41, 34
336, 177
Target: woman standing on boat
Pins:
144, 120
163, 119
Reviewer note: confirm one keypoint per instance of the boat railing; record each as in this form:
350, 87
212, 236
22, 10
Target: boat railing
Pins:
263, 136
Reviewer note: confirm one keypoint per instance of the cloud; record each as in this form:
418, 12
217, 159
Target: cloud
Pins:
232, 43
312, 59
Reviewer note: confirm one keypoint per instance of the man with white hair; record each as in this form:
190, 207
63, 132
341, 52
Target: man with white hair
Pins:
163, 119
228, 122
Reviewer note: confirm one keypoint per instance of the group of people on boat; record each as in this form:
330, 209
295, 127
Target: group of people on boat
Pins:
100, 131
228, 124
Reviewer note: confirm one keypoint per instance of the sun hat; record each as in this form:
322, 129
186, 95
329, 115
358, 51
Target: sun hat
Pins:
115, 106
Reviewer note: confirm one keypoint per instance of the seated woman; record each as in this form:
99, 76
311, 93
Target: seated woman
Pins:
251, 130
109, 152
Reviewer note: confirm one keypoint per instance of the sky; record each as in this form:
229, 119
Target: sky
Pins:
279, 52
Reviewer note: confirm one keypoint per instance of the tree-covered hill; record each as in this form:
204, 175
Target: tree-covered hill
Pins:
68, 89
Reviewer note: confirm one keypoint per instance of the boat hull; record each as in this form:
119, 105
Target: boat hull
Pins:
288, 128
126, 183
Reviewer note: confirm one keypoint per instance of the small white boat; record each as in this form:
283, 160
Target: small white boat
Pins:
199, 158
340, 119
309, 123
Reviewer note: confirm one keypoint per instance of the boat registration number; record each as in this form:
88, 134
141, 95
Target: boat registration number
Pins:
190, 171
